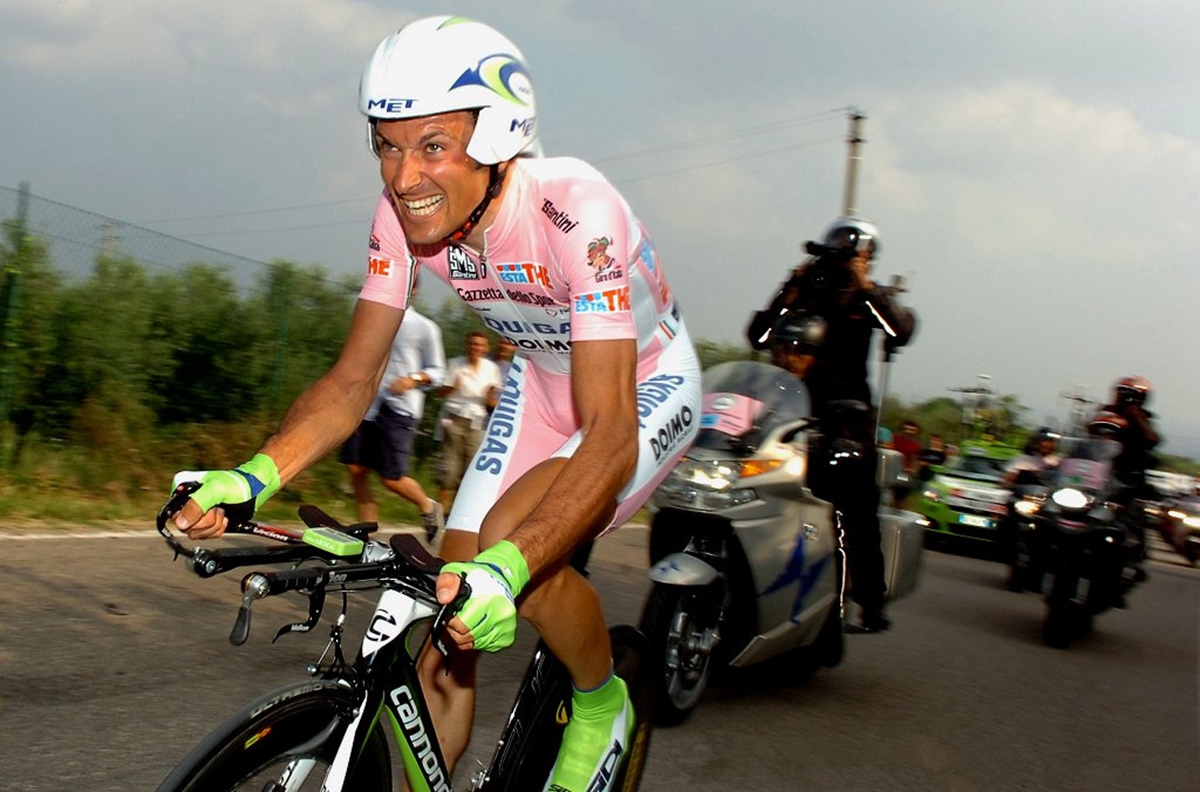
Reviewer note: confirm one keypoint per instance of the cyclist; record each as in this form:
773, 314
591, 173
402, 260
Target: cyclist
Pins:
600, 401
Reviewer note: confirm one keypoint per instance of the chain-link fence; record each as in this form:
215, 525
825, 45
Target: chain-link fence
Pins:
75, 237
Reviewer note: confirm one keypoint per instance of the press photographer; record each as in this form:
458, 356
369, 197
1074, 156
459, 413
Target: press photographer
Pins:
835, 283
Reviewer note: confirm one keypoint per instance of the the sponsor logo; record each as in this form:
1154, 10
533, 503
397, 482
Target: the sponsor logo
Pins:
535, 274
612, 273
597, 254
516, 327
607, 769
391, 106
502, 74
560, 220
380, 266
383, 628
654, 392
414, 730
529, 298
480, 295
650, 260
555, 345
502, 425
462, 267
606, 301
291, 693
527, 126
668, 436
374, 243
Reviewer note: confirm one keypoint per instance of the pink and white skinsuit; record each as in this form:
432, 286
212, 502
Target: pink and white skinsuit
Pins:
564, 260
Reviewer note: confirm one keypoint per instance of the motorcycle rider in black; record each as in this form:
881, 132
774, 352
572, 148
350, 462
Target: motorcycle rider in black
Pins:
835, 284
1132, 425
1138, 438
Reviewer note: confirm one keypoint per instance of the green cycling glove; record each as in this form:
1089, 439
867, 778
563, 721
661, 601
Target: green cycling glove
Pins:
496, 577
248, 485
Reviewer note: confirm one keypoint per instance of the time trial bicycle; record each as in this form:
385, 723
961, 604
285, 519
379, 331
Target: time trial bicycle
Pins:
328, 733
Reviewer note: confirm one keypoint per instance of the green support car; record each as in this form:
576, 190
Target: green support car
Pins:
963, 499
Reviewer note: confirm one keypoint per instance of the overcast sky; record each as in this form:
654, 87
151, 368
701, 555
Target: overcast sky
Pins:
1034, 167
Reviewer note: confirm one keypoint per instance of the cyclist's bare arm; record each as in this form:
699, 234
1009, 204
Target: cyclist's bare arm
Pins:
603, 382
325, 413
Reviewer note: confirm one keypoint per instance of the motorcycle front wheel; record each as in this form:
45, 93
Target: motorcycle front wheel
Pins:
682, 625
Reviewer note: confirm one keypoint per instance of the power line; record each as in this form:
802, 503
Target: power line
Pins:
250, 212
674, 148
773, 126
725, 161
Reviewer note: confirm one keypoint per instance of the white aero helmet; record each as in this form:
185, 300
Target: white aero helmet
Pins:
442, 64
853, 232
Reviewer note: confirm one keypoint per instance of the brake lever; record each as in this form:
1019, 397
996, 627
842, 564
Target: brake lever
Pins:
174, 504
316, 605
445, 614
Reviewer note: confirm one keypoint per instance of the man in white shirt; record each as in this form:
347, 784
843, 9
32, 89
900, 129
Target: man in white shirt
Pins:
472, 388
383, 441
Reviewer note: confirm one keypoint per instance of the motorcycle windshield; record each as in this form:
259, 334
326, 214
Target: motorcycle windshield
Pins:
744, 401
1088, 464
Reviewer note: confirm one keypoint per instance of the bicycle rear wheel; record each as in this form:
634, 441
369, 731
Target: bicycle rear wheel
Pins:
283, 742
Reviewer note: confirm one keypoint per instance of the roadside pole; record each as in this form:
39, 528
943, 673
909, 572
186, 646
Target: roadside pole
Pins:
9, 302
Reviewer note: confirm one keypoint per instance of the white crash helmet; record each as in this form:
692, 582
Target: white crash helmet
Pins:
853, 232
442, 64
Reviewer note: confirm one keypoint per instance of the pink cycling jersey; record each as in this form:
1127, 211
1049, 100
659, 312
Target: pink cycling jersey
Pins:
565, 259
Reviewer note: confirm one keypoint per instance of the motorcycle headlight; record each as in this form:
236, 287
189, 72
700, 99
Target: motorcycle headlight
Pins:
1188, 519
705, 486
1027, 508
1070, 499
932, 495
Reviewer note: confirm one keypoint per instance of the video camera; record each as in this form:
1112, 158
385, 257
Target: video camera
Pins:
831, 270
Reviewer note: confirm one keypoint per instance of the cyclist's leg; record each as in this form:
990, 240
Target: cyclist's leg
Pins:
451, 696
561, 605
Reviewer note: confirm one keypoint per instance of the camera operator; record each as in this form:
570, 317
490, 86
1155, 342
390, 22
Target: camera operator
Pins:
1138, 438
835, 284
1133, 427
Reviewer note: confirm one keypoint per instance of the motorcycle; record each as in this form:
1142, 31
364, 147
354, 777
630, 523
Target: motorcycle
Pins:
1079, 538
745, 559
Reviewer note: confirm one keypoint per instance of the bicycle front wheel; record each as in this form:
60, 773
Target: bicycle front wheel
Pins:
283, 742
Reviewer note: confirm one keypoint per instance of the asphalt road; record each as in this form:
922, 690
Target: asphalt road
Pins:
114, 662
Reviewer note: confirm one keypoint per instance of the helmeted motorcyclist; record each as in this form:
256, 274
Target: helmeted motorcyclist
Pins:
835, 284
1137, 437
1040, 455
796, 340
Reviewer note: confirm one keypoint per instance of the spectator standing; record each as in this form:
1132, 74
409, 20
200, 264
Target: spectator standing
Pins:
471, 389
908, 443
383, 442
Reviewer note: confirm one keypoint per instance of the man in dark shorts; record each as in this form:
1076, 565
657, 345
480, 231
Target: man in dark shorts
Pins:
383, 442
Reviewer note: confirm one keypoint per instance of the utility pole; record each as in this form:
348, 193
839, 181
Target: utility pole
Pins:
9, 300
853, 141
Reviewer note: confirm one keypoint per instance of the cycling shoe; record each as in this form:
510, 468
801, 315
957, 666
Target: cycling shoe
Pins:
595, 739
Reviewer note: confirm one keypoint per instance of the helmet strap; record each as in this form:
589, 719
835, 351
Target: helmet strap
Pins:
495, 181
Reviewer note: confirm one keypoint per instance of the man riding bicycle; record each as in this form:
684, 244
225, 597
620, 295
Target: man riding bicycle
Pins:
600, 401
